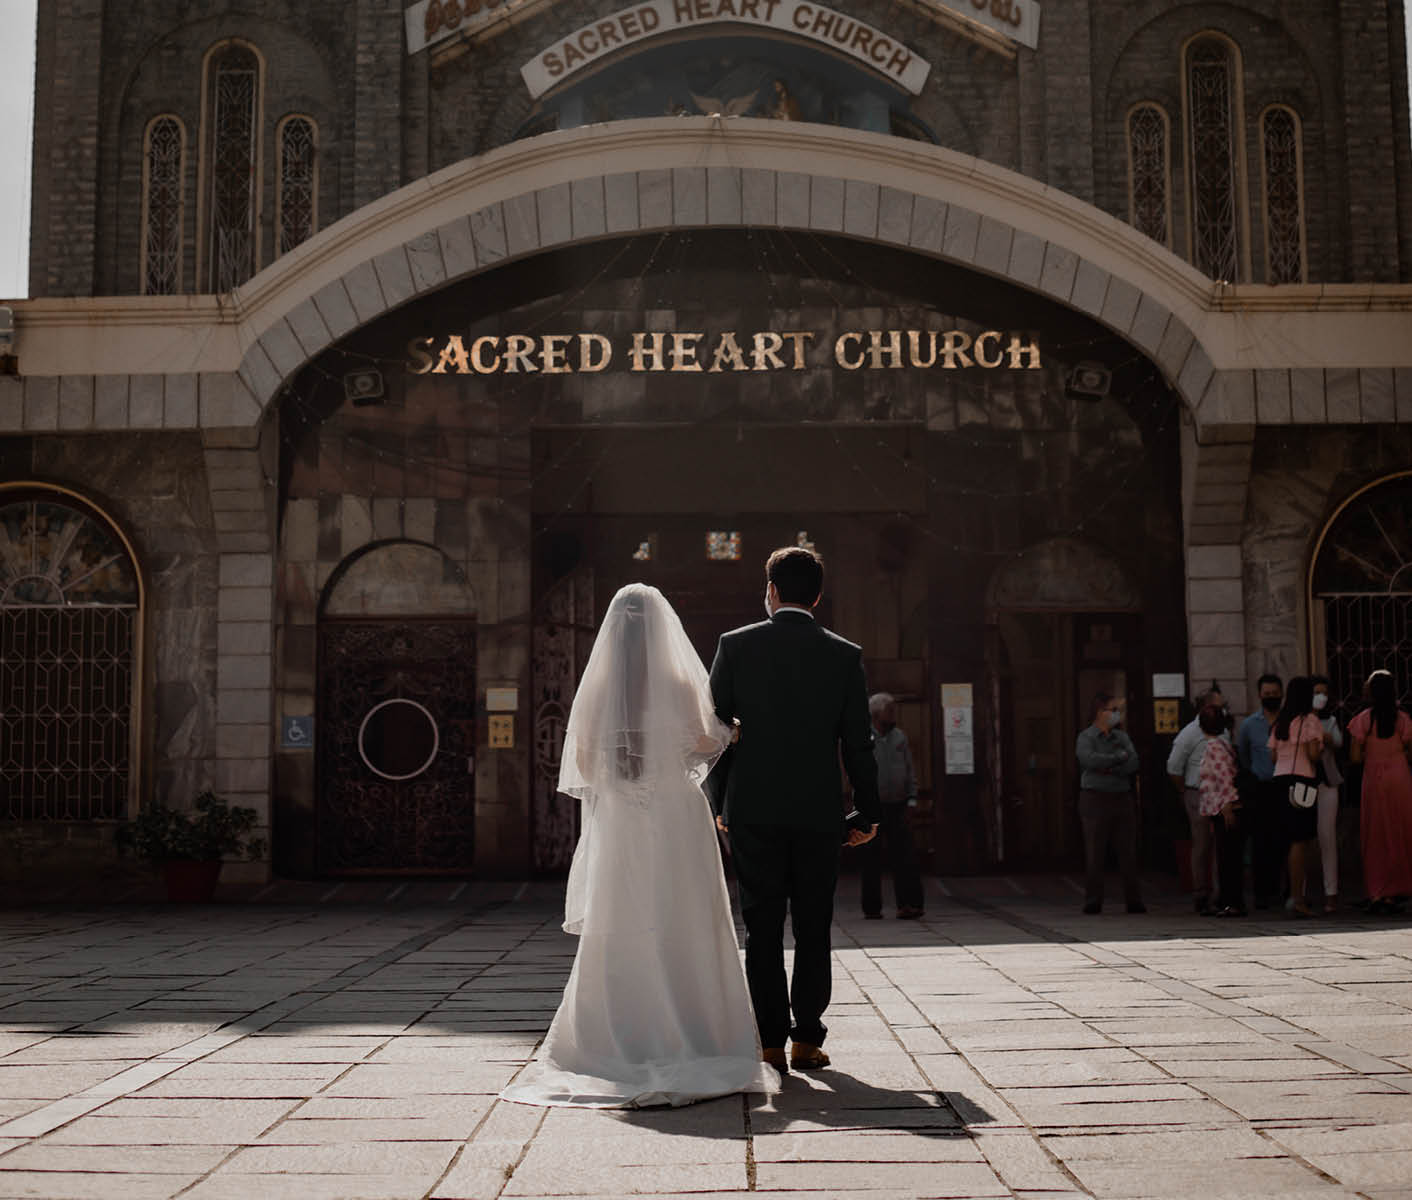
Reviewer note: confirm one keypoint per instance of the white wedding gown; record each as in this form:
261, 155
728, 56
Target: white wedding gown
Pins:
656, 1009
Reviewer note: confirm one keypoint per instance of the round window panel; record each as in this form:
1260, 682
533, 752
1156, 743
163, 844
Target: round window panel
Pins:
398, 739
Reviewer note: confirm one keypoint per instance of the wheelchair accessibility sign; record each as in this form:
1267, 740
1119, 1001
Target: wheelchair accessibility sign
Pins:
296, 733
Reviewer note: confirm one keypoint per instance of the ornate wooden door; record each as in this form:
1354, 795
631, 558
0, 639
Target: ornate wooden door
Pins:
396, 742
563, 637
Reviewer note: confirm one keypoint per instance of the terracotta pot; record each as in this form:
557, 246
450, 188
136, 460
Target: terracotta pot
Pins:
190, 882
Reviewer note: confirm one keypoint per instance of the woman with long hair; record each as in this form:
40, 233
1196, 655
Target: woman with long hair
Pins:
1330, 782
1379, 737
1296, 742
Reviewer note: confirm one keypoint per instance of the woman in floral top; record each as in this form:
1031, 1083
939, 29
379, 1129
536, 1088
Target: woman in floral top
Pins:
1220, 804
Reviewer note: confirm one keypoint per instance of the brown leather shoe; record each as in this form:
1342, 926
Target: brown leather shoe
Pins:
804, 1057
775, 1057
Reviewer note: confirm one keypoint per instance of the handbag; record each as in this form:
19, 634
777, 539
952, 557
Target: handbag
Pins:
1303, 793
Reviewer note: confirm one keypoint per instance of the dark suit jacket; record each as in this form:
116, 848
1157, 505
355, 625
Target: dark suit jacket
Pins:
799, 693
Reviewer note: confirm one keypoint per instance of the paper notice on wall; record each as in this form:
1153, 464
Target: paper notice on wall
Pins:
958, 722
960, 756
956, 695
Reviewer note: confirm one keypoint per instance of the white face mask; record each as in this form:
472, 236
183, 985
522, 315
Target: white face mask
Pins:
1116, 718
1321, 701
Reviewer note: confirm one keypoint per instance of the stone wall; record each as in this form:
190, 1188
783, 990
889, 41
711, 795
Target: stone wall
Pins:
154, 487
386, 118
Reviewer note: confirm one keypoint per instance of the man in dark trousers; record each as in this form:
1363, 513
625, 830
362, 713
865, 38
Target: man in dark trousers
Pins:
799, 694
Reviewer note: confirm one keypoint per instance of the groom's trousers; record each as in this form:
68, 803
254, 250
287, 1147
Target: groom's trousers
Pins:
783, 870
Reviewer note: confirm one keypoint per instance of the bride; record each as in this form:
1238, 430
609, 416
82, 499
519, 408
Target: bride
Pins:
656, 1009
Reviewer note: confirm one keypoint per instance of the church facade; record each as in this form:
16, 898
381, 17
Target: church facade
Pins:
372, 346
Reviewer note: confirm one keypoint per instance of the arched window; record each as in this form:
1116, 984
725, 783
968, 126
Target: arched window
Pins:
70, 611
1360, 591
1149, 172
233, 106
1212, 100
1282, 168
298, 215
163, 170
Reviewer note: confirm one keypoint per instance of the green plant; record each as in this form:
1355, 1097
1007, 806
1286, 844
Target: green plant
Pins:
212, 830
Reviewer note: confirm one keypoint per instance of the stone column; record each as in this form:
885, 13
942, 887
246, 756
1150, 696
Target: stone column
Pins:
67, 110
1066, 52
1215, 484
240, 500
377, 100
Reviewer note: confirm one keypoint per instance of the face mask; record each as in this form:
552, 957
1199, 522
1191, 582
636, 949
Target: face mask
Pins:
1116, 717
1270, 703
1320, 701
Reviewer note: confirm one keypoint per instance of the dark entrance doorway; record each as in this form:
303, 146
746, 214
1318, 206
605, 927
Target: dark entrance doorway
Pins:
396, 746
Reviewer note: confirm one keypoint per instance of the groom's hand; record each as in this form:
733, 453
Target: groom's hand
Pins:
721, 824
856, 837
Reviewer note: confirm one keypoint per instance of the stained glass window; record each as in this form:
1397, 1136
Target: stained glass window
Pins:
235, 77
68, 620
1284, 203
1148, 162
723, 545
1212, 149
298, 192
163, 166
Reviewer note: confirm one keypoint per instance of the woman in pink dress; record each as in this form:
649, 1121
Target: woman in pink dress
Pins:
1296, 742
1379, 737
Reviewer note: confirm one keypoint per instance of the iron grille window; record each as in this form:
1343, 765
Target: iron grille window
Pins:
164, 164
68, 618
1284, 208
234, 95
298, 192
1363, 634
1148, 160
1214, 205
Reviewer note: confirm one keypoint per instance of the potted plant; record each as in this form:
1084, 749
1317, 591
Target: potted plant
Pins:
189, 846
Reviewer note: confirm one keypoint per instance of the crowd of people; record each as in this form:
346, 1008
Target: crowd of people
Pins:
1270, 785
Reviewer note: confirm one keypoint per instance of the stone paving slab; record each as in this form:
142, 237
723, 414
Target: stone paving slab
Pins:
1006, 1045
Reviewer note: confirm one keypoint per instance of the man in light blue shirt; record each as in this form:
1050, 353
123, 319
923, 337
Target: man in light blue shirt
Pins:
1184, 770
1262, 799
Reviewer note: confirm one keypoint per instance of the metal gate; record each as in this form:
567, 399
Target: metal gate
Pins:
563, 637
396, 746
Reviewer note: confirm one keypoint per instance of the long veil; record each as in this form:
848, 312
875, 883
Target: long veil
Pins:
641, 728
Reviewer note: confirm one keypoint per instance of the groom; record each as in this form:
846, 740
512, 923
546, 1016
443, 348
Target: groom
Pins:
799, 694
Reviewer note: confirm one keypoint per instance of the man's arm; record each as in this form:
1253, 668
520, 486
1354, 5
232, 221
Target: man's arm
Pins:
1243, 744
856, 738
1129, 765
909, 774
1180, 757
1091, 757
723, 700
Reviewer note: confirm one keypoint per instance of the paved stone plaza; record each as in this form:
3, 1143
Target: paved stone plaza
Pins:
351, 1044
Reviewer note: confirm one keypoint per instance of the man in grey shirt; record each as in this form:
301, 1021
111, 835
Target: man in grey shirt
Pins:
897, 790
1107, 806
1184, 770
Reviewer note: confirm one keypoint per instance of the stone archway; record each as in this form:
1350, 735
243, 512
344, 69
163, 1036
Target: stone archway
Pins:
689, 173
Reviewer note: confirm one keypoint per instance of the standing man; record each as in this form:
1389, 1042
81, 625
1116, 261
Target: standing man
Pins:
799, 694
1107, 806
897, 790
1184, 770
1263, 799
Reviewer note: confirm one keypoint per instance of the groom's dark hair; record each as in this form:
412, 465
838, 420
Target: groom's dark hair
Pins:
797, 573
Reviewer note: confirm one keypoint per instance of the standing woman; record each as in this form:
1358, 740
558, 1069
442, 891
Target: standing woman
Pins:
1220, 807
1378, 738
1330, 780
1296, 742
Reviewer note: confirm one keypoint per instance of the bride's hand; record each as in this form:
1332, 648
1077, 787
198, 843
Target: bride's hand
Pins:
735, 730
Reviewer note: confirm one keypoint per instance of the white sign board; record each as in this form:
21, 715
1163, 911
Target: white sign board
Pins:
657, 18
1014, 19
1168, 685
960, 757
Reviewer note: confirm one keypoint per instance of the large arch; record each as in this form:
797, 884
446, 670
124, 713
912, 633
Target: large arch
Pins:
685, 173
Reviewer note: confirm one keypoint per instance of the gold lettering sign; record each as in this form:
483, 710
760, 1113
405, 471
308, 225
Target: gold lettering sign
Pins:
690, 352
